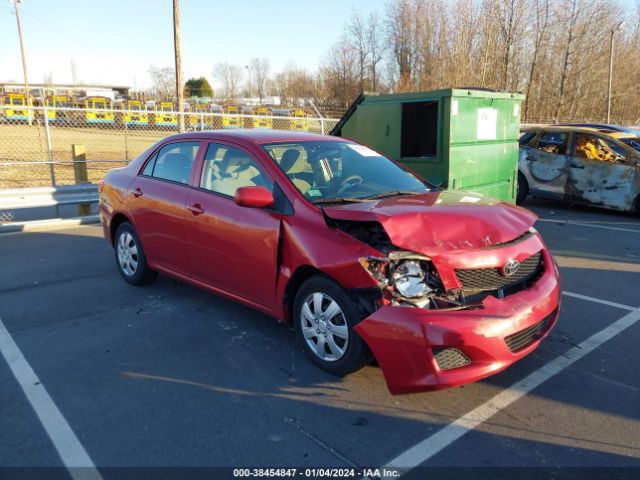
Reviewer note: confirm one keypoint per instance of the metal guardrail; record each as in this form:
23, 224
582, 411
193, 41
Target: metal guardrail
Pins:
18, 204
17, 198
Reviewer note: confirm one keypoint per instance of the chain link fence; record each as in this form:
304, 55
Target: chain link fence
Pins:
42, 146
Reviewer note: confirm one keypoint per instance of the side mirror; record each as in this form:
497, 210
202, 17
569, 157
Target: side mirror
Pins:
253, 197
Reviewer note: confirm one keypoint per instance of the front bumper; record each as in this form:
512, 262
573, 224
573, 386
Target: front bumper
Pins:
403, 339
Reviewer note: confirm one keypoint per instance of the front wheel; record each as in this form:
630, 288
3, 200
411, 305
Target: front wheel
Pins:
324, 318
130, 257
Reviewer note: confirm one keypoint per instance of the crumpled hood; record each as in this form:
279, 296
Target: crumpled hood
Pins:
440, 221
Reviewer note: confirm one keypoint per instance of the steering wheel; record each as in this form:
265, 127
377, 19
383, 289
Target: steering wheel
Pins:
347, 182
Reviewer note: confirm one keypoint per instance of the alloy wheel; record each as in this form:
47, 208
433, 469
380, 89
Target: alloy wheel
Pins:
127, 254
324, 326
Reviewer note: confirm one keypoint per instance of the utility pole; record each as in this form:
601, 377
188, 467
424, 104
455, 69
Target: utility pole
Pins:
176, 44
613, 33
248, 81
24, 63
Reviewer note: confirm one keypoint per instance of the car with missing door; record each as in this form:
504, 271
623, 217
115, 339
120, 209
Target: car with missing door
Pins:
589, 165
363, 257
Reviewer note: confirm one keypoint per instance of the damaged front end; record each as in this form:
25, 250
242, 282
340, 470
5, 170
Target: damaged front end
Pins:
405, 278
410, 279
446, 318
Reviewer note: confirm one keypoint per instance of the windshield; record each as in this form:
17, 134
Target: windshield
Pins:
337, 171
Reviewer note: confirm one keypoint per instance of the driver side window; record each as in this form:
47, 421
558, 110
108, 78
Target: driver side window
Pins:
591, 147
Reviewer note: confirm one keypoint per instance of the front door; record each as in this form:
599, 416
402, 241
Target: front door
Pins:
547, 161
158, 200
230, 247
601, 172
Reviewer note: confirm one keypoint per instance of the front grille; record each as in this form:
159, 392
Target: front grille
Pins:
450, 358
524, 338
480, 280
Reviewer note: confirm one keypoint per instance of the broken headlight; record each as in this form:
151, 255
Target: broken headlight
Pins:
409, 279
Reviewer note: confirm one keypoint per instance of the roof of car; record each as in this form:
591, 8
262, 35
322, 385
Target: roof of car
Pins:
257, 136
564, 128
605, 126
557, 128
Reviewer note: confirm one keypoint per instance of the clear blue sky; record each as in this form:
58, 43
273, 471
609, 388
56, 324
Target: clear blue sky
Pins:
115, 41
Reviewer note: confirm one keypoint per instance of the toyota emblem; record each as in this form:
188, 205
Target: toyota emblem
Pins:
510, 268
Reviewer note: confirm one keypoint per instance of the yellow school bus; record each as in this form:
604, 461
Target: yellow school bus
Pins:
299, 122
262, 118
99, 110
15, 106
164, 115
134, 113
54, 103
197, 120
231, 117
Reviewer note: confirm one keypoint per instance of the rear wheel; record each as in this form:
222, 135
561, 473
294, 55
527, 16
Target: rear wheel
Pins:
523, 188
130, 257
324, 318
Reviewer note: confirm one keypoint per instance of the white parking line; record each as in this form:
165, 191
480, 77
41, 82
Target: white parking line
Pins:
586, 224
72, 453
598, 300
444, 437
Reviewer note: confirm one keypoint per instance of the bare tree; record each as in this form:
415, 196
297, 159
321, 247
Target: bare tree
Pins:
260, 73
401, 28
511, 15
163, 83
542, 13
357, 30
555, 51
339, 72
377, 49
230, 76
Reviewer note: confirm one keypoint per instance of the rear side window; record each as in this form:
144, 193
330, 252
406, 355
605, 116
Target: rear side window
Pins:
173, 162
553, 142
591, 147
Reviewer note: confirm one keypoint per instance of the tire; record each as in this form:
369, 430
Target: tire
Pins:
343, 350
130, 258
523, 188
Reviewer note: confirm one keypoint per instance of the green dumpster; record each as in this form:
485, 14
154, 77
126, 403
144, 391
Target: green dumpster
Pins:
455, 138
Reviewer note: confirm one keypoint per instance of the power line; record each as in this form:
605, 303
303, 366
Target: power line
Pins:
81, 42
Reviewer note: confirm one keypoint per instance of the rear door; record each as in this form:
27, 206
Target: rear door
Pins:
157, 202
546, 160
602, 172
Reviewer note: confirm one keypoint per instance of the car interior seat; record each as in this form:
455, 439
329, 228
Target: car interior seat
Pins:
297, 169
235, 170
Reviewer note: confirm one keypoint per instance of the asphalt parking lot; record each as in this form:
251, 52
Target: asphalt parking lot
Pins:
171, 376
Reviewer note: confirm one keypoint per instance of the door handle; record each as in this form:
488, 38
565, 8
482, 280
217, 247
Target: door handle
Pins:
137, 192
573, 165
196, 209
532, 159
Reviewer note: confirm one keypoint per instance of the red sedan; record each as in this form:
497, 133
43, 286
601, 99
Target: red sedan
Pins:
366, 259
